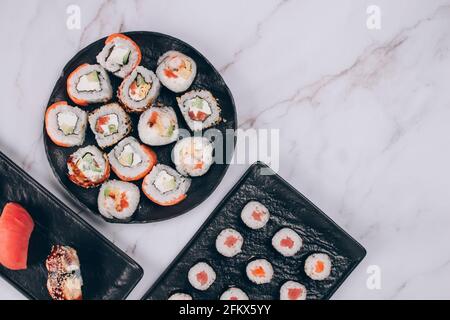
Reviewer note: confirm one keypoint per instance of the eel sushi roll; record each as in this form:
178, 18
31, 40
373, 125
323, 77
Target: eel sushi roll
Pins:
130, 160
260, 271
88, 167
65, 125
201, 276
176, 71
165, 186
110, 124
200, 109
139, 90
89, 84
318, 266
193, 156
287, 242
120, 55
118, 199
158, 126
180, 296
234, 294
255, 215
229, 243
292, 290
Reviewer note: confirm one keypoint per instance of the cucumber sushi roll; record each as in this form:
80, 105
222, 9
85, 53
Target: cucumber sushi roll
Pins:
118, 199
200, 109
229, 242
165, 186
176, 71
139, 90
130, 160
201, 276
318, 266
89, 84
292, 290
120, 55
255, 215
158, 126
193, 156
234, 294
110, 124
88, 167
65, 125
287, 242
180, 296
260, 271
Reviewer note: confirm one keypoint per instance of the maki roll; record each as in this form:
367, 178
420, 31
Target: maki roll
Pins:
158, 126
287, 242
318, 266
200, 109
180, 296
292, 290
110, 124
260, 271
88, 167
234, 294
229, 242
255, 215
120, 55
65, 125
89, 84
118, 199
201, 276
176, 71
139, 90
130, 160
165, 186
193, 156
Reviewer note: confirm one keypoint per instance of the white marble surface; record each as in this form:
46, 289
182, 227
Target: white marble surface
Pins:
364, 116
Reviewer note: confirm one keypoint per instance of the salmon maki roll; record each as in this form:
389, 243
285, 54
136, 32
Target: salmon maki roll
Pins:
318, 266
234, 294
229, 243
287, 242
292, 290
201, 276
88, 167
255, 215
180, 296
260, 271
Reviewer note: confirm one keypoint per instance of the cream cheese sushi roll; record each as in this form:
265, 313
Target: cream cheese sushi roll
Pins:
89, 84
201, 276
318, 266
229, 242
234, 294
260, 271
165, 186
118, 199
287, 242
88, 167
200, 109
158, 126
139, 90
120, 55
193, 156
255, 215
180, 296
110, 124
65, 125
176, 71
292, 290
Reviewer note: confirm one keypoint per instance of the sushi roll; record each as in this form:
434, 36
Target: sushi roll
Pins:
255, 215
201, 276
118, 199
158, 126
287, 242
120, 55
165, 186
139, 90
229, 242
292, 290
318, 266
130, 160
65, 125
180, 296
89, 84
234, 294
193, 156
110, 124
176, 71
200, 109
88, 167
260, 271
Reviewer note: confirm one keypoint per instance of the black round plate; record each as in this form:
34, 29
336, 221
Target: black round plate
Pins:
152, 46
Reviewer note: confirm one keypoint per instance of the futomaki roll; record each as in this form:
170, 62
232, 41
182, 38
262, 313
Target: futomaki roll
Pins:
118, 199
89, 84
287, 242
65, 125
180, 296
201, 276
292, 290
193, 156
88, 167
139, 90
120, 55
176, 71
229, 242
200, 109
260, 271
234, 294
158, 126
255, 215
318, 266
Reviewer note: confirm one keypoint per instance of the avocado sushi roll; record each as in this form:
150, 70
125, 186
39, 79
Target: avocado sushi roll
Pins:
88, 167
201, 276
158, 126
176, 71
200, 109
118, 199
193, 156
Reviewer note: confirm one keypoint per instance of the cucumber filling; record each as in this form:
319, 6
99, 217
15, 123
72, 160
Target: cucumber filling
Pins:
139, 88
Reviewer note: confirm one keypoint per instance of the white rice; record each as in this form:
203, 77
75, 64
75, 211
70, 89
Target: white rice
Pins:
180, 296
212, 107
292, 290
109, 207
234, 294
90, 178
201, 276
229, 242
287, 242
260, 271
312, 265
164, 131
178, 84
255, 215
193, 156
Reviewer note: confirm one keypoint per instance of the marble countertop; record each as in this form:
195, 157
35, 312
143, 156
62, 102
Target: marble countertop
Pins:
363, 115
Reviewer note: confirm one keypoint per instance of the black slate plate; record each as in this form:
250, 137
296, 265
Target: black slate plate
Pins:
288, 208
108, 273
152, 46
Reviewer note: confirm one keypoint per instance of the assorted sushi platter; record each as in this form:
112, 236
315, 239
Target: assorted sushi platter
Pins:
48, 252
130, 127
265, 241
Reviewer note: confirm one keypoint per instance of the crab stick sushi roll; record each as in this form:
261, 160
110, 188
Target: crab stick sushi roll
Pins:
110, 124
193, 156
120, 55
229, 243
292, 290
89, 84
130, 160
255, 215
65, 125
176, 71
260, 271
180, 296
88, 167
200, 109
118, 199
165, 186
139, 90
318, 266
201, 276
234, 294
287, 242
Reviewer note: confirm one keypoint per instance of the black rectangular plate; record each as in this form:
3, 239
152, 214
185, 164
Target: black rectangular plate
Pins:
288, 208
108, 273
